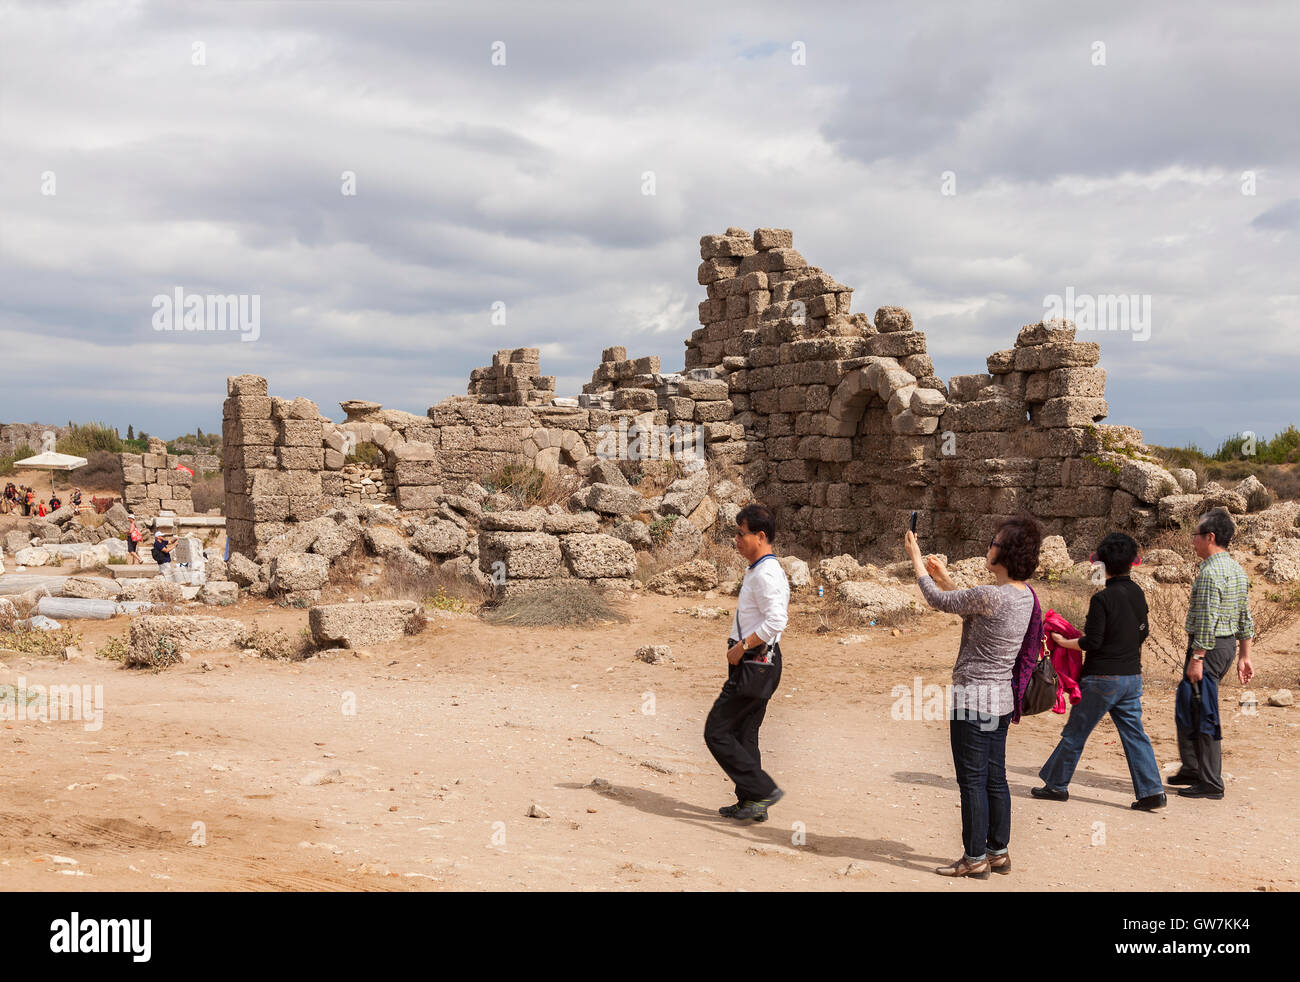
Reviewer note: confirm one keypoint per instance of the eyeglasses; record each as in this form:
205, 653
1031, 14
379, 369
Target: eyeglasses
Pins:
994, 542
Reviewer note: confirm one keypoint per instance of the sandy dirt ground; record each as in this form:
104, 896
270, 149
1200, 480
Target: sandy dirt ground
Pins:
444, 741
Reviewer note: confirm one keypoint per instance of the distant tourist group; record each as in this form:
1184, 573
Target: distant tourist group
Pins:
1004, 635
23, 500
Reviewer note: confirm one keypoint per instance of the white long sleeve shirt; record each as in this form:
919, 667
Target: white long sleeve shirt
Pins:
764, 601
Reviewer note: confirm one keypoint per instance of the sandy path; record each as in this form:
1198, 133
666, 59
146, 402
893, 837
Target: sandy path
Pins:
468, 725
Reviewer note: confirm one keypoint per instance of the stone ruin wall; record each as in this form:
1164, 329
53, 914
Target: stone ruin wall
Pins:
849, 430
836, 420
15, 435
153, 483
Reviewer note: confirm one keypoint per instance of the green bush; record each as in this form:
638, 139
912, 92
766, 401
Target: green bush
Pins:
365, 453
21, 452
83, 439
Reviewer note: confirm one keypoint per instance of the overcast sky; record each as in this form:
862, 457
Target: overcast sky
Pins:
522, 183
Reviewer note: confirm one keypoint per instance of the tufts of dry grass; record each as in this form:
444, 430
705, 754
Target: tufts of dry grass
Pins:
280, 645
529, 486
566, 604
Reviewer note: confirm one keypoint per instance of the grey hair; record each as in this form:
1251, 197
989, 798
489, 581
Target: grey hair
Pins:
1218, 521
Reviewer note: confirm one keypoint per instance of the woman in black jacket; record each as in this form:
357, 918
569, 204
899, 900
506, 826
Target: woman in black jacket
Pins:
1111, 681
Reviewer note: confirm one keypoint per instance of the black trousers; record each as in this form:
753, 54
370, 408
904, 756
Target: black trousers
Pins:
1201, 754
731, 733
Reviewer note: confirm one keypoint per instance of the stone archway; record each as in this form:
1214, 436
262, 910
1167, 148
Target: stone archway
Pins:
912, 410
546, 449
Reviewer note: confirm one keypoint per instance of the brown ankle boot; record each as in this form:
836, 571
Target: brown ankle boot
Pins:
1000, 864
961, 867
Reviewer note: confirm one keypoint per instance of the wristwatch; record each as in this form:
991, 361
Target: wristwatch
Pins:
1198, 658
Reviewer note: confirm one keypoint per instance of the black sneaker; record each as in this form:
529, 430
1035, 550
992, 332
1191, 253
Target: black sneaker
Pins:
729, 811
757, 810
1150, 803
1180, 778
1050, 795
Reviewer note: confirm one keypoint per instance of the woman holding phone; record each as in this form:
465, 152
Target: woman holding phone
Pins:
995, 620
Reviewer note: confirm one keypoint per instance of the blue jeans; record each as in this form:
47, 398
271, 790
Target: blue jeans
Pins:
1121, 696
979, 753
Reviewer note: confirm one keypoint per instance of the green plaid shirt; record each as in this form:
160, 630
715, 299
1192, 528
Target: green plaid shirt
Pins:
1219, 605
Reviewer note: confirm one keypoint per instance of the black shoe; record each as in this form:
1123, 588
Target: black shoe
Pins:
757, 810
1201, 791
1150, 803
1181, 778
729, 811
1049, 794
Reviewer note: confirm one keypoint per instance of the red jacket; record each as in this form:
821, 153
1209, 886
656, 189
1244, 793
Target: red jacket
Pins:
1067, 662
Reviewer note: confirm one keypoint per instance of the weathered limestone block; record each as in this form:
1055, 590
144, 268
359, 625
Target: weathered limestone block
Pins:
1044, 357
566, 523
927, 402
526, 555
513, 521
893, 320
300, 458
1001, 362
1071, 411
440, 538
1054, 331
353, 625
611, 500
983, 415
246, 385
419, 497
773, 238
593, 555
910, 424
1146, 481
295, 571
298, 433
711, 412
1089, 383
966, 388
240, 432
247, 407
899, 345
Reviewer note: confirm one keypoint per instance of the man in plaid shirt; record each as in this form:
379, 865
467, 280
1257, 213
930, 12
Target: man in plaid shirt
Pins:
1218, 626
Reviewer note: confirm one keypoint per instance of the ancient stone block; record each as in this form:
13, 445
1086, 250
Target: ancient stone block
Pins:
1044, 357
1070, 411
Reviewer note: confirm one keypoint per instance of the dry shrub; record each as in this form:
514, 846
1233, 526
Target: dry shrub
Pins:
115, 648
346, 568
651, 477
1178, 540
432, 587
103, 470
280, 645
1270, 621
1166, 620
1287, 597
34, 641
1069, 595
565, 604
164, 653
530, 486
1283, 480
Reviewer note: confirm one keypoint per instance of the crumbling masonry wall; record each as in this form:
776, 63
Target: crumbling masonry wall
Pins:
836, 419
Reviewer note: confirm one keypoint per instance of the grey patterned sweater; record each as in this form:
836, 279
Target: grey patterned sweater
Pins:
994, 621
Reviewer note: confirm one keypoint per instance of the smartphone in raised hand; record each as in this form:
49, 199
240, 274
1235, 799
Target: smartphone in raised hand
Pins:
914, 523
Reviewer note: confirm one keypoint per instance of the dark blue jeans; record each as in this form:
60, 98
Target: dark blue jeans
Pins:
979, 753
1121, 696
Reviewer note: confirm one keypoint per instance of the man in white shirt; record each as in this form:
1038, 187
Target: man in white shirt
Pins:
753, 668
